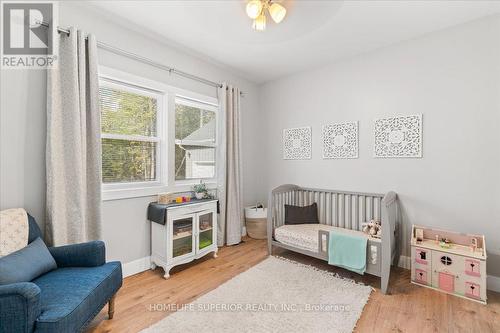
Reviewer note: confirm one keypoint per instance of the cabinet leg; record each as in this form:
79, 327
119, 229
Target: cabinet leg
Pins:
215, 254
167, 272
153, 266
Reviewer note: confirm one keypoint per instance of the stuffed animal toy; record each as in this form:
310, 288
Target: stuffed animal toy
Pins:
373, 228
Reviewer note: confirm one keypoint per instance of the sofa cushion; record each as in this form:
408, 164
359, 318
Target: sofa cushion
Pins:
27, 263
72, 296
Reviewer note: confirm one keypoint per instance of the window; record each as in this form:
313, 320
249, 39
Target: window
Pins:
155, 138
195, 139
132, 135
129, 133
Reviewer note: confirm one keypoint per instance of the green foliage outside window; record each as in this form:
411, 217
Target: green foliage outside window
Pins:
126, 113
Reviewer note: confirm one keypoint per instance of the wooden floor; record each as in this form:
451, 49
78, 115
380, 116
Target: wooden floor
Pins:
409, 308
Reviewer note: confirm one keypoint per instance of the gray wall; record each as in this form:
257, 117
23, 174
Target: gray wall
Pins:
22, 140
452, 77
23, 126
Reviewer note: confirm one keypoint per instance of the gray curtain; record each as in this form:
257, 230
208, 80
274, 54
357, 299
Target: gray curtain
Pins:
73, 152
229, 168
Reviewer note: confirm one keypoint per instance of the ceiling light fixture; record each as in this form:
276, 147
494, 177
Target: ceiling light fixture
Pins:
277, 12
259, 23
256, 10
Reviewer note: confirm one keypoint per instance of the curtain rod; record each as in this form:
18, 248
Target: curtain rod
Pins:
145, 60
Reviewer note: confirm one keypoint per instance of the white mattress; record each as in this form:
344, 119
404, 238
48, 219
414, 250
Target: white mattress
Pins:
305, 236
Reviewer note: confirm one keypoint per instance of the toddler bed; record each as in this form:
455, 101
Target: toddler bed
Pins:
336, 210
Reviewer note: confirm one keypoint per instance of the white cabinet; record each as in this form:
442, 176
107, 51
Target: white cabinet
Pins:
190, 232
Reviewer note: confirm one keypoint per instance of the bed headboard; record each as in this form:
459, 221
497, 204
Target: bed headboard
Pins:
343, 209
337, 208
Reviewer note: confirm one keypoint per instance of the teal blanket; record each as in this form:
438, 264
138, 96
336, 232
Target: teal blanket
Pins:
347, 250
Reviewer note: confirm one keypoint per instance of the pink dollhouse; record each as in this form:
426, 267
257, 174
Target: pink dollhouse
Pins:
451, 262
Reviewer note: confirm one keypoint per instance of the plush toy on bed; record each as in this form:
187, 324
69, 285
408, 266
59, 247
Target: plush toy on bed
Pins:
373, 228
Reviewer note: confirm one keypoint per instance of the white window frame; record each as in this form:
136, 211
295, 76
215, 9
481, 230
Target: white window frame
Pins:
205, 103
165, 136
124, 81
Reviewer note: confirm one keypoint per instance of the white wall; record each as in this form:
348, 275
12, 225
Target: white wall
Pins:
23, 125
452, 77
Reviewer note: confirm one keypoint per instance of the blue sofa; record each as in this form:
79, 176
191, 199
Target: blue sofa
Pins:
65, 299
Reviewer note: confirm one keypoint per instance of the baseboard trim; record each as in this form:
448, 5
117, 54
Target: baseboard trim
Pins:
493, 283
136, 266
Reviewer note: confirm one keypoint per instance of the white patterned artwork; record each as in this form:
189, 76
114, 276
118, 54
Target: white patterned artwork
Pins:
297, 143
398, 136
340, 140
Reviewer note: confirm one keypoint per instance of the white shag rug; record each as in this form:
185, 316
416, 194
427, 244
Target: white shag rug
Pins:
276, 295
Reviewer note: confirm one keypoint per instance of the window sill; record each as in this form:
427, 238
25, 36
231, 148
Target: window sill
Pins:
210, 183
129, 193
150, 191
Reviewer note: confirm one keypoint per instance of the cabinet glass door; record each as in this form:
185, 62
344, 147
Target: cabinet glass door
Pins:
206, 224
182, 236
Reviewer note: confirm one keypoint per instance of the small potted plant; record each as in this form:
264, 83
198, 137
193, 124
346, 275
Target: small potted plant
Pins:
200, 191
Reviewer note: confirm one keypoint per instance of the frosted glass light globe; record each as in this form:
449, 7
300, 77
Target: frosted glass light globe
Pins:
254, 8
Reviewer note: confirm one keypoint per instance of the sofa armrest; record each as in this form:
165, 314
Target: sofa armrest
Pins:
88, 254
19, 307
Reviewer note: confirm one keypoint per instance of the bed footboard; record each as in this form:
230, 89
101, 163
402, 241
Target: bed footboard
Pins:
389, 229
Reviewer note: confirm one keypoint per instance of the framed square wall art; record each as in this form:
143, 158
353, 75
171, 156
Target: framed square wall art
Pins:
297, 143
398, 137
340, 140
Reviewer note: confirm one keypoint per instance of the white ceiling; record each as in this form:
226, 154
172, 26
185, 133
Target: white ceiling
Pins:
313, 32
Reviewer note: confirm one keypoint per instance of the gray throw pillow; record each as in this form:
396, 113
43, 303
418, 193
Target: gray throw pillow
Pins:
301, 215
26, 264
